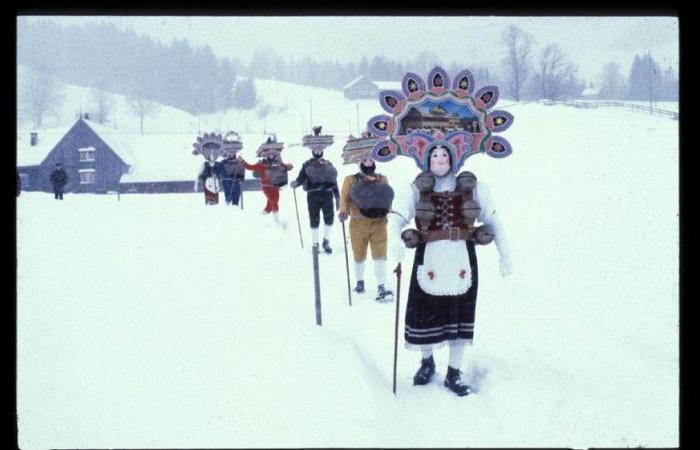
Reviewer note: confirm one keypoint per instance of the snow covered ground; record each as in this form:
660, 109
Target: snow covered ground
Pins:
157, 321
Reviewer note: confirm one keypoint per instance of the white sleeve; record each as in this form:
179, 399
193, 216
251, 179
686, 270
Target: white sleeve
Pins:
489, 216
404, 206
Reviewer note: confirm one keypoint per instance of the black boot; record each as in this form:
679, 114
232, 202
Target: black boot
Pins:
383, 295
360, 288
425, 372
455, 383
327, 246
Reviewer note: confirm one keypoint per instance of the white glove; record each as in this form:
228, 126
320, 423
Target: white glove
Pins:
505, 265
195, 185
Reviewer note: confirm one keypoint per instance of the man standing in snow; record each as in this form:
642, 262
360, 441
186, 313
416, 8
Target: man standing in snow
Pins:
59, 179
366, 198
444, 279
319, 179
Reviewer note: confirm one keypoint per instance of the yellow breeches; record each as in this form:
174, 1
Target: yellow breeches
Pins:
368, 231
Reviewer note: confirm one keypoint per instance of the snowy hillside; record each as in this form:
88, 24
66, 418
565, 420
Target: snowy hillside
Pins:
157, 321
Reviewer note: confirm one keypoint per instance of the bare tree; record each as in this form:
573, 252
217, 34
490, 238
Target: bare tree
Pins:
40, 94
143, 108
103, 101
519, 44
557, 76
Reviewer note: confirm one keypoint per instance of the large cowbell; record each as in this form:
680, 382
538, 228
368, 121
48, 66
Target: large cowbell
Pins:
440, 111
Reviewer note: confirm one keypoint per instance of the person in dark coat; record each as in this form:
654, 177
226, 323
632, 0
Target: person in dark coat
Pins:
319, 179
59, 179
231, 173
19, 184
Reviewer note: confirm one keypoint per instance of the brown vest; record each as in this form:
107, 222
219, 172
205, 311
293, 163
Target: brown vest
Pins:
448, 223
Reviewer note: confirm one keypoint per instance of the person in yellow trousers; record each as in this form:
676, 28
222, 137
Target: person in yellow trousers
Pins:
366, 199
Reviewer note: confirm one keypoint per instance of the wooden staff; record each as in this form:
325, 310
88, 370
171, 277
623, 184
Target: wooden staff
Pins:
397, 271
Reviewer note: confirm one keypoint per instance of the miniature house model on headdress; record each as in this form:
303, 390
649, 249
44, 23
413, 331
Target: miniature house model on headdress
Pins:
446, 113
270, 147
212, 146
357, 149
317, 141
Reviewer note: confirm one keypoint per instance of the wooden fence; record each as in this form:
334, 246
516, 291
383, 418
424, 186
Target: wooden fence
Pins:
596, 104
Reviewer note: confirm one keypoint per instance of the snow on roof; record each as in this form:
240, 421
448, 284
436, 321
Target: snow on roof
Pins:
33, 155
386, 85
352, 83
122, 142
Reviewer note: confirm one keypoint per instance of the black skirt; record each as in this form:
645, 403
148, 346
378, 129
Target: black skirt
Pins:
432, 319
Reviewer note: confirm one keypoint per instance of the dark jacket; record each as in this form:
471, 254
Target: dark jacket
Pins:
59, 177
311, 186
19, 184
230, 168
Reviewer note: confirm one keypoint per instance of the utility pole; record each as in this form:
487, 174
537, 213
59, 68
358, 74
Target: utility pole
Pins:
651, 106
311, 113
357, 108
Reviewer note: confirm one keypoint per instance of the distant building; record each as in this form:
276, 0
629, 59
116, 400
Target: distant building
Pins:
100, 159
362, 87
590, 93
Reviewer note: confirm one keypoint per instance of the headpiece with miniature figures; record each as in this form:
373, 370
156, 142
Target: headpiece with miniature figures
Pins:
357, 149
270, 147
317, 141
212, 145
454, 115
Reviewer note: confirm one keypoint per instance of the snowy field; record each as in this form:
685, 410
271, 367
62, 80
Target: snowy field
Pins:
157, 321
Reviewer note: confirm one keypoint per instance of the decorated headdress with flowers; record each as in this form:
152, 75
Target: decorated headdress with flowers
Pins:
446, 113
212, 145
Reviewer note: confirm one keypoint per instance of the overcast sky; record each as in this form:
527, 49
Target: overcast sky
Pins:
590, 42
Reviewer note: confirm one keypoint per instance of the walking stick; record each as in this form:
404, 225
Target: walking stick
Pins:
317, 284
397, 271
347, 264
294, 191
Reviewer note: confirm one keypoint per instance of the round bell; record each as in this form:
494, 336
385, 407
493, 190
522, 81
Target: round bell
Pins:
470, 209
424, 182
483, 235
410, 238
466, 181
425, 211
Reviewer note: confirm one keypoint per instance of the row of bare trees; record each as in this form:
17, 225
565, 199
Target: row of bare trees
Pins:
553, 76
41, 94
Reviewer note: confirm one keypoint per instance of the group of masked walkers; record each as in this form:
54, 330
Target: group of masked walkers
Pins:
229, 173
444, 277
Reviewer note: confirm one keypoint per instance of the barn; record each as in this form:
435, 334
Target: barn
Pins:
362, 87
100, 159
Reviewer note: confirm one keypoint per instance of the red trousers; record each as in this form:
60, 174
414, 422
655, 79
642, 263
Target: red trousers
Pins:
273, 197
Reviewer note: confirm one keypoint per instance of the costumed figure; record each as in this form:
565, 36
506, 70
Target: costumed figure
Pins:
320, 181
272, 173
366, 198
212, 146
453, 212
232, 172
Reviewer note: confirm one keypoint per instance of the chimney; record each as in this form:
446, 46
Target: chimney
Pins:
33, 138
86, 116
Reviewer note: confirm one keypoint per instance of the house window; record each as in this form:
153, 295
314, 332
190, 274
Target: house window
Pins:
87, 176
87, 153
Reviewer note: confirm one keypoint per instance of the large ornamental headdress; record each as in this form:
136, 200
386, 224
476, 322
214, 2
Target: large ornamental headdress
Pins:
270, 147
440, 113
317, 141
357, 149
212, 146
